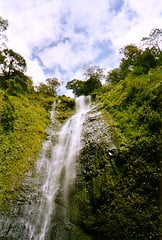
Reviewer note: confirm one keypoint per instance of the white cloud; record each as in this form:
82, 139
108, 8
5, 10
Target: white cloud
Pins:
34, 69
146, 15
69, 34
68, 59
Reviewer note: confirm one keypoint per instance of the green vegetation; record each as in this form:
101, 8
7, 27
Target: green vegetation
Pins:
118, 195
48, 89
92, 82
24, 116
134, 107
22, 130
65, 108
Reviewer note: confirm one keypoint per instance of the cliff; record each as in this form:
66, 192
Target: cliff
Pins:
95, 179
117, 189
117, 193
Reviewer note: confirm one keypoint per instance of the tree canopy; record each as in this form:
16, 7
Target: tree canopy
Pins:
49, 88
138, 60
13, 68
92, 82
3, 27
154, 39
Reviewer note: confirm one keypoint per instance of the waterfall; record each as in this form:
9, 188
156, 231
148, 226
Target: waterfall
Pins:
56, 171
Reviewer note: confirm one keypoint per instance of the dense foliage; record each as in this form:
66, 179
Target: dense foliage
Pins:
65, 107
24, 115
22, 128
92, 82
133, 106
135, 61
118, 195
48, 88
12, 68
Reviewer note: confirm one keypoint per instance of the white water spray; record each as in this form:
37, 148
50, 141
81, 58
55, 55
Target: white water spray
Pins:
57, 170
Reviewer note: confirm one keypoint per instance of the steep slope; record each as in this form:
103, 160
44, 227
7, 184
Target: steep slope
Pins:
91, 196
23, 122
117, 193
22, 129
117, 190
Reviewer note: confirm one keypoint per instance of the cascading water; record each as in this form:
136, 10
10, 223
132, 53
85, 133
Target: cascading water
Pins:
56, 171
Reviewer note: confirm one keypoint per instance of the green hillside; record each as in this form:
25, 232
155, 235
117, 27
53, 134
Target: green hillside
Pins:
133, 108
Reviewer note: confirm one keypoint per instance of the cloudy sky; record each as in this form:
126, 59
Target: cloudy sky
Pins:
59, 38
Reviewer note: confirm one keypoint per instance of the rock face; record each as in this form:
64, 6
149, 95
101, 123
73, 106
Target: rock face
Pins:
90, 195
96, 131
95, 174
12, 223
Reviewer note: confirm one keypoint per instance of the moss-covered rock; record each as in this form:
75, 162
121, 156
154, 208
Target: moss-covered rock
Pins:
95, 178
23, 127
22, 130
65, 107
117, 194
133, 107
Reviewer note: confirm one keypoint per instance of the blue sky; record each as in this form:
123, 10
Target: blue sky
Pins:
59, 38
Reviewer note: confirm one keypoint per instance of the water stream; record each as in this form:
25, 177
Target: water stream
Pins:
56, 171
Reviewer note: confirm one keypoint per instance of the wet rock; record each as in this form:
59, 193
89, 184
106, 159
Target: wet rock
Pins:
95, 173
96, 131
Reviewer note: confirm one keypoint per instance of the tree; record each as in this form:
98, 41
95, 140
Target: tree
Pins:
53, 84
135, 61
12, 71
19, 83
77, 86
130, 52
144, 62
154, 39
130, 55
154, 43
3, 24
114, 76
94, 77
12, 67
49, 88
92, 82
3, 27
95, 72
11, 62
